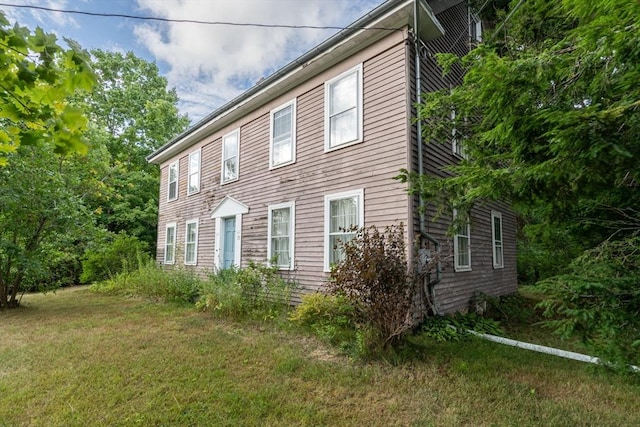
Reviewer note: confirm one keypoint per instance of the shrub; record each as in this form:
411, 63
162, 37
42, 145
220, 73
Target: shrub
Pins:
330, 317
105, 261
374, 278
599, 300
256, 291
455, 327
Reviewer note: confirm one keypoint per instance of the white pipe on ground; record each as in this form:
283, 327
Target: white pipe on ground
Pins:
544, 349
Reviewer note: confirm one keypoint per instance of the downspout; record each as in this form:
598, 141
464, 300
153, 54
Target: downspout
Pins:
430, 284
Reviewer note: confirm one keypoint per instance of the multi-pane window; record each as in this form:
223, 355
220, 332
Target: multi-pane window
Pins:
230, 156
475, 28
496, 233
343, 109
281, 235
172, 187
344, 213
194, 172
191, 243
283, 135
456, 145
462, 246
170, 243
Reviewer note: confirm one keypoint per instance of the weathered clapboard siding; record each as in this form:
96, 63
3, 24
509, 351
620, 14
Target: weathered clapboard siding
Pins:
456, 288
369, 165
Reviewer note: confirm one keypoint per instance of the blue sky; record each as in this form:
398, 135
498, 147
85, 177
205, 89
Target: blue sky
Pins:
208, 65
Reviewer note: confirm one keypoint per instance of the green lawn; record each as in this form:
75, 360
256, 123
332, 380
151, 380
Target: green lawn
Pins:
76, 358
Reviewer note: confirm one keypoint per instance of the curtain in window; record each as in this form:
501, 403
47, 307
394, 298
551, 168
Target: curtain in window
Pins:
280, 228
343, 216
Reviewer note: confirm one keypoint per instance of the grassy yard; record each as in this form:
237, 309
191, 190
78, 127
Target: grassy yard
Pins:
76, 358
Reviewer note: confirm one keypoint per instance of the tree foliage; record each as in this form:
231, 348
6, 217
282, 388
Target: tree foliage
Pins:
41, 216
132, 113
37, 77
549, 115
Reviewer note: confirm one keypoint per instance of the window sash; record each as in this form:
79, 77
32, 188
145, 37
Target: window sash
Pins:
230, 149
343, 105
191, 243
344, 212
281, 234
172, 192
170, 244
462, 247
283, 135
498, 249
194, 172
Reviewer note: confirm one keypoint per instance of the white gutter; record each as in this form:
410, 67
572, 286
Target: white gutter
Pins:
546, 350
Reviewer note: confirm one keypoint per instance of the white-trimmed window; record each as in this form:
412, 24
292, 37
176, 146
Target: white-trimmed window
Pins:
172, 186
475, 28
283, 135
462, 246
170, 243
456, 147
230, 156
194, 172
343, 109
191, 243
496, 235
281, 235
342, 212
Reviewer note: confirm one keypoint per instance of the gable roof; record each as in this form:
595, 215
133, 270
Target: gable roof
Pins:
393, 15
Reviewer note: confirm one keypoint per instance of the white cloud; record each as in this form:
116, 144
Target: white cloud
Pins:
210, 64
41, 17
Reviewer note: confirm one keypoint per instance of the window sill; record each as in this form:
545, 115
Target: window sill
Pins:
281, 165
328, 149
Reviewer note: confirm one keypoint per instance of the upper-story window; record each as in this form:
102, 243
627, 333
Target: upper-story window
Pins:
462, 246
343, 212
496, 234
283, 135
230, 156
475, 28
172, 187
456, 137
343, 109
194, 172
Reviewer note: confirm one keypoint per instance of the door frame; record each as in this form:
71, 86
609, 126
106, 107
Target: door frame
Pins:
227, 208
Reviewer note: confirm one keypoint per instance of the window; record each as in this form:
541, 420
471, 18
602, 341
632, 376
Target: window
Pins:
191, 243
456, 147
342, 212
230, 156
475, 28
496, 234
283, 135
462, 247
194, 172
172, 188
343, 109
281, 234
170, 243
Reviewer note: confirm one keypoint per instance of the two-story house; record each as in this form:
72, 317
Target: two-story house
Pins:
281, 170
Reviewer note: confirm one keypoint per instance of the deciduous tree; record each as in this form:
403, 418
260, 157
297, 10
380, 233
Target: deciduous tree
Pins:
37, 77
